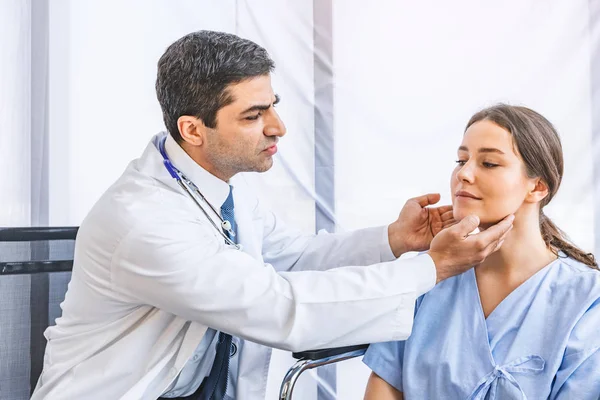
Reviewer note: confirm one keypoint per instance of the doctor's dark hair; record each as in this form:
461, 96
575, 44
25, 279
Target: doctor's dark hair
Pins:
539, 145
195, 71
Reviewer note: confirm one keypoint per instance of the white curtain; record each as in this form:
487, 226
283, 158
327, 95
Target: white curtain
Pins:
15, 111
20, 167
409, 75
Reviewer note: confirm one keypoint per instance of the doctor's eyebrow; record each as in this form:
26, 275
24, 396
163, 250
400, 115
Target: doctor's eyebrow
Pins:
262, 107
482, 150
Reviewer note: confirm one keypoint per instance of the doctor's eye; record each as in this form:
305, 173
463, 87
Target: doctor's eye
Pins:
253, 117
461, 162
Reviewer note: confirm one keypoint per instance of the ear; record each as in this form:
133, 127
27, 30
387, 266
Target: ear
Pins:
192, 130
539, 191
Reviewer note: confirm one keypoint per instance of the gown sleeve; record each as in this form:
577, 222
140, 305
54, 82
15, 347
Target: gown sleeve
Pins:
386, 359
579, 374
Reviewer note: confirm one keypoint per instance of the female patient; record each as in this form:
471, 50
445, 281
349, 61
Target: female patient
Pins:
526, 322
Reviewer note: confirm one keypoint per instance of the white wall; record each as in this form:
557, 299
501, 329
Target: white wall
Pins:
15, 108
410, 75
407, 86
103, 108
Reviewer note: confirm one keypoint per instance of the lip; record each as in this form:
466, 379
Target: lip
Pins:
271, 150
465, 194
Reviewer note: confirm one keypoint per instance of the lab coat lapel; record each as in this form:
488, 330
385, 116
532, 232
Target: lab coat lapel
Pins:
247, 235
254, 358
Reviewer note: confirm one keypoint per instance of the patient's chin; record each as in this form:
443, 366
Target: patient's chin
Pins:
485, 220
460, 213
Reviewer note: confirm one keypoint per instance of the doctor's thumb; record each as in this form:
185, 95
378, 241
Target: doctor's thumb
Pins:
467, 225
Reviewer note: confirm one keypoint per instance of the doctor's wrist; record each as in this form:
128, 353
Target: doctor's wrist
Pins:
441, 266
397, 242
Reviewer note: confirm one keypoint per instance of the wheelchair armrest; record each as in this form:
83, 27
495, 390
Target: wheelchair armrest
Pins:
324, 353
313, 359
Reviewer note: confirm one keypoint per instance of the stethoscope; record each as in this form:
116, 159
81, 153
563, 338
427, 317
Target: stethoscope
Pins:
192, 190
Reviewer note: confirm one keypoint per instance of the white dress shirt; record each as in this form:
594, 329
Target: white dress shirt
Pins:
151, 275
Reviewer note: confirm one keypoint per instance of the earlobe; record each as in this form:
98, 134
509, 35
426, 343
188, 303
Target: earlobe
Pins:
191, 129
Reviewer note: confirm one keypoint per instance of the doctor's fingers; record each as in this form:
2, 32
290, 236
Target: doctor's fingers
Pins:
488, 240
447, 215
466, 226
426, 199
448, 223
494, 246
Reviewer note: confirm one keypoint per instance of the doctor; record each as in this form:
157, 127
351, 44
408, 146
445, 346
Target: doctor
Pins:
163, 300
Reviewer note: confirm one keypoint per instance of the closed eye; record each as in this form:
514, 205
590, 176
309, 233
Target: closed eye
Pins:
253, 117
489, 165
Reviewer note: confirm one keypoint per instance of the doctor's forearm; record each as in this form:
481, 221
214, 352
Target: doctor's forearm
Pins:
332, 250
377, 302
231, 291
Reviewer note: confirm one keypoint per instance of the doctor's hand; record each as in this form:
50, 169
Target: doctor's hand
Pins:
454, 251
418, 224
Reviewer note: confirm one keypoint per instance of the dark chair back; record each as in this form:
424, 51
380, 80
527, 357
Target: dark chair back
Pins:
35, 265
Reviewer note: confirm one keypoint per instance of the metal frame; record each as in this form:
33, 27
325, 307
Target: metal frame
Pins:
304, 364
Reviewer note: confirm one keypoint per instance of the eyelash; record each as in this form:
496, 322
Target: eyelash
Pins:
254, 117
485, 164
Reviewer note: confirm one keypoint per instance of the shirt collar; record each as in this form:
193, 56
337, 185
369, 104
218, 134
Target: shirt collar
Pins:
212, 188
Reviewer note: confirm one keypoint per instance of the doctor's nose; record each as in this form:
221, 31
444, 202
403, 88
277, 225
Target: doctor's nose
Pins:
274, 126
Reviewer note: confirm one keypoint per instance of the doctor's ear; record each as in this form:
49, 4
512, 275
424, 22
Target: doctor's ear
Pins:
538, 192
192, 130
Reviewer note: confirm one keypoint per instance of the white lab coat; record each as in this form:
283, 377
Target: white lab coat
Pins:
151, 274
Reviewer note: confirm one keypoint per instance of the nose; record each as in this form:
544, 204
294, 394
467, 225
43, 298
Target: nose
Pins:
466, 173
274, 125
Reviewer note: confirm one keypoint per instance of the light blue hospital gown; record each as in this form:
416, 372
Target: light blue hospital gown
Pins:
541, 342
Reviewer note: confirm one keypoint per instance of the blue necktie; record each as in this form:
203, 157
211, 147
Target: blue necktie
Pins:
215, 385
227, 213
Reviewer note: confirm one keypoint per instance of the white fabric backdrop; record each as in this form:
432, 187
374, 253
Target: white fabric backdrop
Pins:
15, 188
407, 85
407, 77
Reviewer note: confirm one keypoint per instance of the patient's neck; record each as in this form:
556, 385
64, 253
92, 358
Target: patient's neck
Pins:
523, 253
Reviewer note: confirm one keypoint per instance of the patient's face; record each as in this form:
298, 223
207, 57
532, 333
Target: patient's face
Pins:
489, 179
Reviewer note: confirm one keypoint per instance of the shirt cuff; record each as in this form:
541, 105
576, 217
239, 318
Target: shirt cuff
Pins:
385, 250
426, 275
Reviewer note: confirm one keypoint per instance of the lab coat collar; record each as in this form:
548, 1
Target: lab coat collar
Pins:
214, 189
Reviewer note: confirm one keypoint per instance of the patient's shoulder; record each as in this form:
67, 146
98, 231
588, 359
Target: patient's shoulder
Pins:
571, 277
447, 291
569, 269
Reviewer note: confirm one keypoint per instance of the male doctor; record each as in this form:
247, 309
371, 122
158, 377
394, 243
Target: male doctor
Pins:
162, 304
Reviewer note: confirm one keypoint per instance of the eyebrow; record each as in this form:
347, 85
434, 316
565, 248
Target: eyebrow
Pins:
483, 150
261, 107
